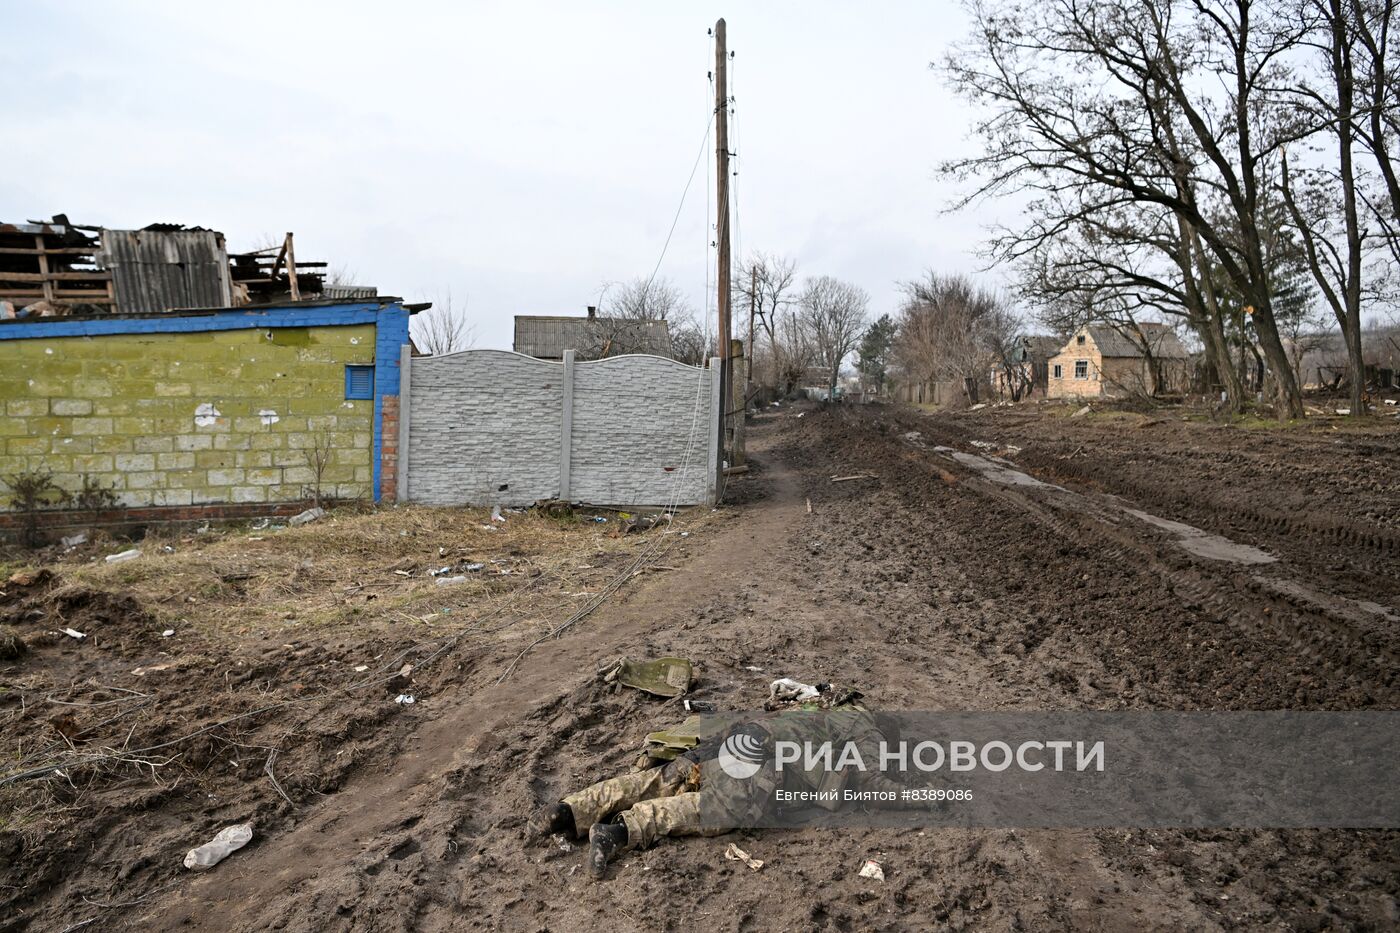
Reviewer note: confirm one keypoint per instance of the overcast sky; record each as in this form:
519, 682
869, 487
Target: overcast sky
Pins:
517, 155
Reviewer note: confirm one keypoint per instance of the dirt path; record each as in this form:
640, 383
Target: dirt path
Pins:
943, 583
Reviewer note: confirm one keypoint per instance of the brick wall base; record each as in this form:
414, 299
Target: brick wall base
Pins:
58, 523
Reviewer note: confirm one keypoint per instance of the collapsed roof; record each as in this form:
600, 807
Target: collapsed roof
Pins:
57, 267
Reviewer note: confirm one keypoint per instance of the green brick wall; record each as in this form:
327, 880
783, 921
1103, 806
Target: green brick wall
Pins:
123, 409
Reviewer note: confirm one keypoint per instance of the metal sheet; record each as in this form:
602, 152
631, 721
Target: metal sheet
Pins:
163, 270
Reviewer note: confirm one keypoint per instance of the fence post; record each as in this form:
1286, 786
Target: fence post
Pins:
716, 413
566, 423
405, 412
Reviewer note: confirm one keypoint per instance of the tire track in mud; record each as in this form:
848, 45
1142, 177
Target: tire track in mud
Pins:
1329, 629
1074, 601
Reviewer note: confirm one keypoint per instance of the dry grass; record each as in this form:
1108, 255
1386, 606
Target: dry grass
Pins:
363, 569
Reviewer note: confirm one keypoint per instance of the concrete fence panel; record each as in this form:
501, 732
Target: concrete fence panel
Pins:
490, 426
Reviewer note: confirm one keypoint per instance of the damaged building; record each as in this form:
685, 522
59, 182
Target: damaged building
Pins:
52, 268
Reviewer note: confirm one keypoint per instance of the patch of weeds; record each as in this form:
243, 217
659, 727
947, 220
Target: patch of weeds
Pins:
31, 490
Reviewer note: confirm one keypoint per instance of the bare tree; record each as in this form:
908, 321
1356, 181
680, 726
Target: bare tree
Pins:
1147, 103
627, 316
1340, 227
443, 328
765, 286
833, 317
952, 330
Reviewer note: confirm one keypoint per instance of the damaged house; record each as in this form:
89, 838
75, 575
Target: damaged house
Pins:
58, 267
152, 376
1103, 361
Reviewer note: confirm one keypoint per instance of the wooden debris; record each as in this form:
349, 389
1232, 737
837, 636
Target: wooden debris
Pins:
847, 479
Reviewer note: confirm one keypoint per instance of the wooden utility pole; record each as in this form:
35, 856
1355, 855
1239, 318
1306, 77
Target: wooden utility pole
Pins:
722, 226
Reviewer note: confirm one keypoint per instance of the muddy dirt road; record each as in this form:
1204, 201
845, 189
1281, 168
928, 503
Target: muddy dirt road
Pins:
951, 580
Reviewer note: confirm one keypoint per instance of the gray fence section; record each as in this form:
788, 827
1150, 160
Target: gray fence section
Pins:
487, 426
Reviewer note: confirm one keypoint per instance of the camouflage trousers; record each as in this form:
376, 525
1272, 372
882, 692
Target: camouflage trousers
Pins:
654, 803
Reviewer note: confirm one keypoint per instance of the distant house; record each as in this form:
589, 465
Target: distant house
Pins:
547, 336
1029, 373
1320, 360
1103, 361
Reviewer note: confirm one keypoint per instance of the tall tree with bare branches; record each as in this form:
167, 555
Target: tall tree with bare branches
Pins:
833, 317
443, 328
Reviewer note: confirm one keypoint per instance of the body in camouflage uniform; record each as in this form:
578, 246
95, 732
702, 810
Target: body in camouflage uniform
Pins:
665, 801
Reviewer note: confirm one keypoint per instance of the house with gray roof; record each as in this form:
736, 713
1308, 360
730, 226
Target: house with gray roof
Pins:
1102, 360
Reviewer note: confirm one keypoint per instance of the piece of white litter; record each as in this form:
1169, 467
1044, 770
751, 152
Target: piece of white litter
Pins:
496, 515
73, 633
405, 699
229, 840
750, 667
736, 854
872, 869
451, 581
75, 540
167, 633
361, 668
124, 555
310, 515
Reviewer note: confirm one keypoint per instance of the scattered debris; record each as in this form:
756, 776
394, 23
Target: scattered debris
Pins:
600, 519
496, 515
73, 541
789, 690
750, 667
30, 577
1082, 412
847, 479
307, 517
168, 633
11, 645
73, 633
1391, 401
663, 677
361, 668
872, 869
978, 407
736, 854
229, 840
809, 506
670, 744
143, 671
699, 706
405, 699
1343, 411
131, 554
451, 581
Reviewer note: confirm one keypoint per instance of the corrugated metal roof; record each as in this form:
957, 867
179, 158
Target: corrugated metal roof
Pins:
349, 291
547, 336
162, 270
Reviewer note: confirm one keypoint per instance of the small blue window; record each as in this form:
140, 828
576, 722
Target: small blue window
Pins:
359, 382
